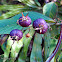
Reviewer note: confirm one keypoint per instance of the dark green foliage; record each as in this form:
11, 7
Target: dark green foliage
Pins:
42, 44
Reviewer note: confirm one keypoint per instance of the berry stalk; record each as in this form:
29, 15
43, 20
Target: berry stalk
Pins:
56, 48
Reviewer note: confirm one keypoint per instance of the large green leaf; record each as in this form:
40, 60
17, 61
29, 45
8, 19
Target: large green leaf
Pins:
47, 42
26, 41
7, 51
6, 25
10, 10
10, 7
36, 54
14, 49
50, 45
9, 14
50, 9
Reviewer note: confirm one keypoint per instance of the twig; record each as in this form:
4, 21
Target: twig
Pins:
56, 48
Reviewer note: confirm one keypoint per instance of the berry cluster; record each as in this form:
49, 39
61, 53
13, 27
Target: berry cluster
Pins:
16, 34
39, 25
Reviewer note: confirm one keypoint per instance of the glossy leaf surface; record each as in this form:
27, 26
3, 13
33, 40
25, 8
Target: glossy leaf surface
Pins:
36, 54
6, 25
26, 41
50, 9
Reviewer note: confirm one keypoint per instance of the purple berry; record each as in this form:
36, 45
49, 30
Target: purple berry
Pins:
40, 26
17, 34
24, 21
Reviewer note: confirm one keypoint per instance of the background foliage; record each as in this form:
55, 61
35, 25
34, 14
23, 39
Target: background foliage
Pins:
38, 47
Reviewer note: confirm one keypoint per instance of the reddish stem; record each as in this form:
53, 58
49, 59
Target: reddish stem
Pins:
27, 15
56, 48
22, 14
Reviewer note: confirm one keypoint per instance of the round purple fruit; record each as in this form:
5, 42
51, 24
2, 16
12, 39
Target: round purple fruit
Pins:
24, 21
40, 26
16, 34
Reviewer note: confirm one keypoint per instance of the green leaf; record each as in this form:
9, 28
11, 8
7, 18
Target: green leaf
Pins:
10, 7
17, 46
59, 16
58, 3
6, 25
55, 31
50, 45
47, 43
60, 10
26, 41
1, 57
15, 49
7, 51
36, 54
0, 13
20, 60
11, 10
36, 1
50, 10
60, 57
4, 41
10, 14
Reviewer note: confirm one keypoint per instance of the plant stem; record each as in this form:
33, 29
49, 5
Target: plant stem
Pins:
56, 48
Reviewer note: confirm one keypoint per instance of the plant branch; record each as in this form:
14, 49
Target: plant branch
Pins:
56, 48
